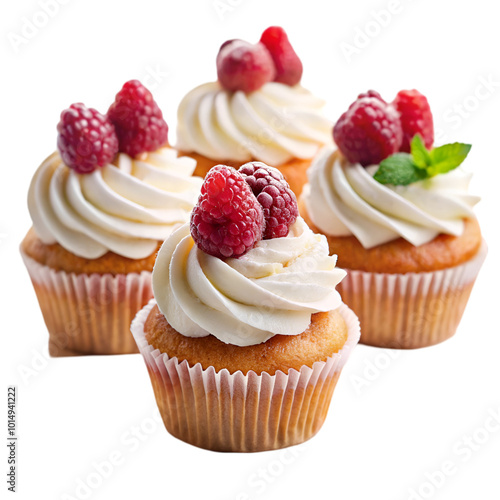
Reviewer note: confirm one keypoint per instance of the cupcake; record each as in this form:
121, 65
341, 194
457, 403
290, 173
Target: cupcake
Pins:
101, 207
398, 214
247, 336
256, 110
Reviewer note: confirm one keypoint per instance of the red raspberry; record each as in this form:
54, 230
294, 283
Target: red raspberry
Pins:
372, 93
416, 117
275, 196
86, 139
368, 131
228, 220
287, 62
138, 120
244, 66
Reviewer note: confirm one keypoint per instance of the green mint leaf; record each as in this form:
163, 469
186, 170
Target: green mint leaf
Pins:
399, 169
447, 157
403, 168
420, 154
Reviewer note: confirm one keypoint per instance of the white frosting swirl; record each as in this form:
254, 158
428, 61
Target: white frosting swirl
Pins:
272, 289
273, 124
124, 208
343, 199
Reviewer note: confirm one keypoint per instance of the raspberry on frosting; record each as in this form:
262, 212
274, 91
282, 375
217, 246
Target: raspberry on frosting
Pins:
369, 131
416, 117
228, 220
244, 66
247, 67
287, 63
274, 194
372, 93
138, 120
372, 129
86, 139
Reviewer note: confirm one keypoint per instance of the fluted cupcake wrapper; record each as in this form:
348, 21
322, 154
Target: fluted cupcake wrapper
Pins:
89, 313
408, 311
221, 411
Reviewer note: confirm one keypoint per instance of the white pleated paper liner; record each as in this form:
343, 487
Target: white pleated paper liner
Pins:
221, 411
407, 311
89, 313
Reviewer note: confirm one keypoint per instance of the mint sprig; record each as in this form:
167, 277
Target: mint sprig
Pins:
401, 169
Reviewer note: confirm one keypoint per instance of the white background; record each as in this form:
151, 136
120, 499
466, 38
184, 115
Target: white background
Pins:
393, 422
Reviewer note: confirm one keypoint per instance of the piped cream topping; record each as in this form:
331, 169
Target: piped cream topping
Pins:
272, 289
125, 208
344, 199
273, 124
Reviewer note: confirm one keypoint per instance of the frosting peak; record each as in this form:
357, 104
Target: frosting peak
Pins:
273, 124
126, 207
272, 289
343, 199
